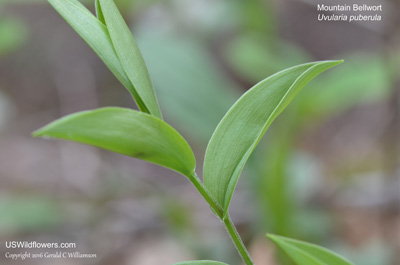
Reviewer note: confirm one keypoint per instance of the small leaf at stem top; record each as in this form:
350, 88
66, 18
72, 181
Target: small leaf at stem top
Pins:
96, 34
130, 56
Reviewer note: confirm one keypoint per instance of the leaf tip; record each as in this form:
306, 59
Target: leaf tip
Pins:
41, 132
271, 236
37, 133
275, 238
336, 62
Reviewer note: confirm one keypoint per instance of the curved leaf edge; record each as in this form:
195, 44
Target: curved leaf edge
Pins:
278, 109
282, 241
41, 132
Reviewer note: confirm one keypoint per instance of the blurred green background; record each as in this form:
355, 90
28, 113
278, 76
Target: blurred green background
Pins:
328, 170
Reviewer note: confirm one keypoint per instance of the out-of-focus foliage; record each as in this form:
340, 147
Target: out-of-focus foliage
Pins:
193, 91
372, 253
254, 55
12, 35
362, 80
23, 213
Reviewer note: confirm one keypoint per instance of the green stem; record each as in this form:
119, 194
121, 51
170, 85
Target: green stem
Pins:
215, 207
237, 241
219, 212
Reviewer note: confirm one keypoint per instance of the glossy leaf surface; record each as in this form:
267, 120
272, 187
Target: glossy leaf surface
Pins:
129, 56
127, 132
304, 253
243, 126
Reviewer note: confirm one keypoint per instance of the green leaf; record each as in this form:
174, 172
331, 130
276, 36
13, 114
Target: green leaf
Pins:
200, 262
127, 132
96, 35
130, 56
99, 12
304, 253
243, 126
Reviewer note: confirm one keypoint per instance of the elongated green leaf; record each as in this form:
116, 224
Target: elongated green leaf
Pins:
200, 262
96, 35
127, 132
304, 253
243, 126
130, 56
